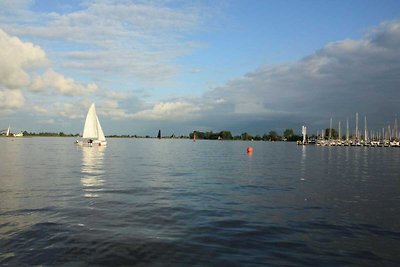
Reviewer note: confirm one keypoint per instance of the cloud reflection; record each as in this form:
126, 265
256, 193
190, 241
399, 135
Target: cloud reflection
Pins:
92, 170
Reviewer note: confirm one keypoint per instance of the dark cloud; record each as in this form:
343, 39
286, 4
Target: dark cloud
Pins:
336, 81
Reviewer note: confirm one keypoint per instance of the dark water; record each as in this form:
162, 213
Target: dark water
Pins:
179, 203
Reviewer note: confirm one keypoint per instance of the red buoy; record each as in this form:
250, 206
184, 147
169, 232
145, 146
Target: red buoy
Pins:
249, 150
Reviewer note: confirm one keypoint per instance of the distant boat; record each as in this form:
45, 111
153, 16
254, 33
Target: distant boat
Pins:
93, 134
8, 131
159, 134
20, 134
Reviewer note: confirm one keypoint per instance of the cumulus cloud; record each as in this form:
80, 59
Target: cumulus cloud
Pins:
71, 110
40, 110
173, 111
11, 99
16, 57
66, 86
116, 95
20, 61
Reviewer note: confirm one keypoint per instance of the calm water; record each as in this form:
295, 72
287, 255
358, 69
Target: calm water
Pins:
208, 203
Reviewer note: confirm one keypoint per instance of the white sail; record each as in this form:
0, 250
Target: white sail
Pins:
92, 129
100, 132
8, 131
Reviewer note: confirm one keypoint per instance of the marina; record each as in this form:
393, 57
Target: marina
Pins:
387, 137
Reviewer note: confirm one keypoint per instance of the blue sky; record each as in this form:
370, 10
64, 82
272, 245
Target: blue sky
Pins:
250, 66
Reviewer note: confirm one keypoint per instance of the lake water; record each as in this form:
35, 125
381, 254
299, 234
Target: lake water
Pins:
206, 203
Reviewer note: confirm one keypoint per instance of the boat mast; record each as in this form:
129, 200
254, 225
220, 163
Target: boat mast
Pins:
365, 129
304, 132
340, 137
347, 130
330, 129
356, 126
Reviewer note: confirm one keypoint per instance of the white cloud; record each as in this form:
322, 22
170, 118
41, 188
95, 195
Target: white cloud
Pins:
66, 86
71, 110
139, 39
16, 57
49, 121
170, 111
116, 95
40, 110
11, 99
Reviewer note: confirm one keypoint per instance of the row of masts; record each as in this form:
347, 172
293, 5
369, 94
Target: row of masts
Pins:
387, 136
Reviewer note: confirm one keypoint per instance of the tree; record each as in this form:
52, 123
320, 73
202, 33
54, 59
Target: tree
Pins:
273, 136
226, 135
257, 137
334, 133
288, 133
246, 136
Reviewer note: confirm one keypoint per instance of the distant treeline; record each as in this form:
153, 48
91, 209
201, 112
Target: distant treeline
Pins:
288, 135
145, 136
48, 134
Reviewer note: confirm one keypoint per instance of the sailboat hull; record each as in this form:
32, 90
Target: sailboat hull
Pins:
87, 143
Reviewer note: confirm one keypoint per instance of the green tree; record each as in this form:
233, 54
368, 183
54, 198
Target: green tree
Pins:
226, 135
273, 136
288, 133
246, 136
335, 134
257, 137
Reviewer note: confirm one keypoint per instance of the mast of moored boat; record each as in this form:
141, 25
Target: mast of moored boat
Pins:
365, 130
304, 132
357, 127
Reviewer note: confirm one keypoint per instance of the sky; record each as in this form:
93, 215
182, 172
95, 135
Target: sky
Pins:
244, 66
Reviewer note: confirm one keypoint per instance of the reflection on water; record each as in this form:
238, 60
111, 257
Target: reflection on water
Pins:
303, 163
92, 170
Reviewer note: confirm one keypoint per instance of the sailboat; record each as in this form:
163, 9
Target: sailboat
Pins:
159, 134
93, 134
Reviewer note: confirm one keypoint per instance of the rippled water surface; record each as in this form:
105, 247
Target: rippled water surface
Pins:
178, 202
